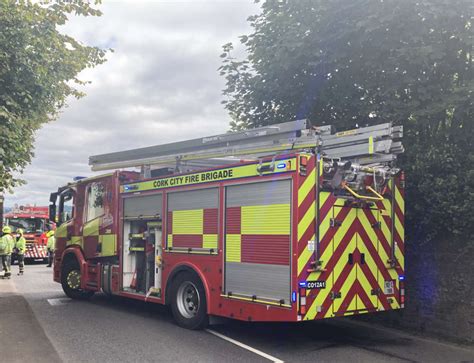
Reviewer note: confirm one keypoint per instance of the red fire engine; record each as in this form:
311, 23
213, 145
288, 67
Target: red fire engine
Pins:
35, 223
309, 225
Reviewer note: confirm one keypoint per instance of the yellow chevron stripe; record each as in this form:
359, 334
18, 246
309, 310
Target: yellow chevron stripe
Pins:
367, 288
304, 224
346, 286
399, 228
399, 256
306, 220
353, 304
304, 258
399, 200
373, 239
308, 184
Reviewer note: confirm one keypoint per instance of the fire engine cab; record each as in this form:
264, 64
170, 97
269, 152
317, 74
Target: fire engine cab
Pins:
34, 220
288, 222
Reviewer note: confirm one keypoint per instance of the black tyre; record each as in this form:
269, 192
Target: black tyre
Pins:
71, 282
188, 302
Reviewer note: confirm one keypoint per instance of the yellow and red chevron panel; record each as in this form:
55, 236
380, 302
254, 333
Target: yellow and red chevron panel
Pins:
193, 228
352, 247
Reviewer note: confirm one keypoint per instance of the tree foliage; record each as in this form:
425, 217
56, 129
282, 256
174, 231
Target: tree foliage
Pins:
38, 71
365, 62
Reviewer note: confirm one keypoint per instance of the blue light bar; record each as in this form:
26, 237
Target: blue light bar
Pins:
281, 166
302, 284
401, 278
293, 296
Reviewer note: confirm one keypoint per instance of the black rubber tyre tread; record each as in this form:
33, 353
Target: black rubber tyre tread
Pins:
73, 293
201, 320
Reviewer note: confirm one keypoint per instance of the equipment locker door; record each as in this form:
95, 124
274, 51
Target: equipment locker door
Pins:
368, 274
257, 240
344, 244
355, 274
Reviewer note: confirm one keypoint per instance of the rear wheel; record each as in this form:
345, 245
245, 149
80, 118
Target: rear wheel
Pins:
188, 302
71, 282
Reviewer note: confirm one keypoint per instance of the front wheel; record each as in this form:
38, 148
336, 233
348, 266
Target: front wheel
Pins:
188, 302
71, 282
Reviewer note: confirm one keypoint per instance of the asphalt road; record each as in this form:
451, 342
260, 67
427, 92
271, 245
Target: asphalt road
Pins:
121, 330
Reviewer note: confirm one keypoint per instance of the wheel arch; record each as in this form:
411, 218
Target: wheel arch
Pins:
186, 267
74, 254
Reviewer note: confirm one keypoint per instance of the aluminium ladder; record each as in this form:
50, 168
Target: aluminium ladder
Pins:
377, 146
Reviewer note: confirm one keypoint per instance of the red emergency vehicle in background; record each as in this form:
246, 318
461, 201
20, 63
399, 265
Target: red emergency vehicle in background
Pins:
307, 225
34, 220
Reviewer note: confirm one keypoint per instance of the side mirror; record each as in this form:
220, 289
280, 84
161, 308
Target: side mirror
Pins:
52, 212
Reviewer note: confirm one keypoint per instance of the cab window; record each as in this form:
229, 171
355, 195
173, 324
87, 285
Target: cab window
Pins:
95, 201
66, 206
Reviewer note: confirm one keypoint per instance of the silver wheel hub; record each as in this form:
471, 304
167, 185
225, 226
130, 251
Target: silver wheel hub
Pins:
188, 299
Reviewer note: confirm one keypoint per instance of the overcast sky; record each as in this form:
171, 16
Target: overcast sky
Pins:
160, 85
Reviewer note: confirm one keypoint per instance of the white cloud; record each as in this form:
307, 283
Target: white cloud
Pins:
160, 85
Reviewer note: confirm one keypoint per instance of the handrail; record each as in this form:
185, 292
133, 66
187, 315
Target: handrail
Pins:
355, 194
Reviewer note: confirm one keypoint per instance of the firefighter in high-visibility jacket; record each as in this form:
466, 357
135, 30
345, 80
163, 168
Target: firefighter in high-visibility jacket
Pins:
50, 247
20, 247
6, 247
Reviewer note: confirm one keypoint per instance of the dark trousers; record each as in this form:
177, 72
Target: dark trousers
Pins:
21, 262
50, 257
6, 264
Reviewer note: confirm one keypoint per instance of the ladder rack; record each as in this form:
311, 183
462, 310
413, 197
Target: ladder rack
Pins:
367, 145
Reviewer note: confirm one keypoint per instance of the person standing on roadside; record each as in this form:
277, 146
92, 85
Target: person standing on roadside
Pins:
50, 247
6, 247
20, 247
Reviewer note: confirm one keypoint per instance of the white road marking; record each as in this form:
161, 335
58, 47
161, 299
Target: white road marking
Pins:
61, 301
245, 346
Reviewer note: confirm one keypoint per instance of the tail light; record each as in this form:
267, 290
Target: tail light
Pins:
302, 301
303, 164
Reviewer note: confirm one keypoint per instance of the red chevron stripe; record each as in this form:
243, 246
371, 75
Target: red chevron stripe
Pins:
308, 200
365, 298
373, 282
378, 261
305, 237
381, 237
326, 207
399, 213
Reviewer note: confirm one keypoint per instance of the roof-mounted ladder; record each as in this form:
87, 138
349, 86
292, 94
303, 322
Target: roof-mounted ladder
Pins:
367, 145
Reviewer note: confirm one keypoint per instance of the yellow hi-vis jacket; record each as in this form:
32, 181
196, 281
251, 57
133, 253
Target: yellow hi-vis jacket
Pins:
21, 245
51, 243
6, 244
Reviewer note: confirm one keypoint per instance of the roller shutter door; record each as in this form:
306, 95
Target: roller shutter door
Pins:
192, 220
257, 240
142, 206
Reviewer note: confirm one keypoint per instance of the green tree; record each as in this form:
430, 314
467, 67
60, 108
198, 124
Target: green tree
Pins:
365, 62
38, 71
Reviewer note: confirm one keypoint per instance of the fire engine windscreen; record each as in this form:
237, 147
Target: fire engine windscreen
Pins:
29, 225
